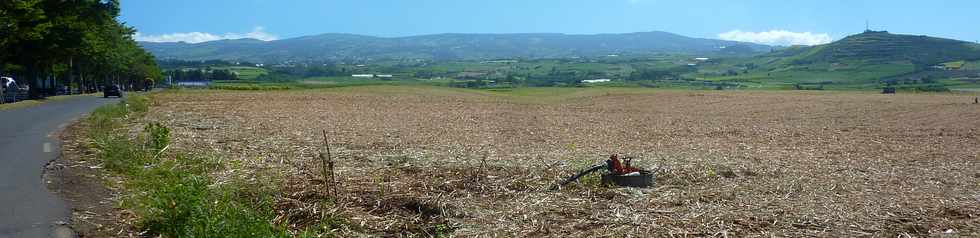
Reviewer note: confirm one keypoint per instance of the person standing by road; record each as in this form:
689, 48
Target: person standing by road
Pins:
5, 84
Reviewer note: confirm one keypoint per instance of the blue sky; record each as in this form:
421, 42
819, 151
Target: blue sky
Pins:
779, 22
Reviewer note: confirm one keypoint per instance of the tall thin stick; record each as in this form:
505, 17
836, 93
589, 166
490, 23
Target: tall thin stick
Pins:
328, 165
325, 173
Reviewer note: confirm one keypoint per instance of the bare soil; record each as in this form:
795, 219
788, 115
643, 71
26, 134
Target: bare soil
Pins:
426, 161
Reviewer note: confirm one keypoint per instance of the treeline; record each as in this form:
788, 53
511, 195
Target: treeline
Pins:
294, 72
207, 74
79, 44
308, 71
182, 64
674, 73
554, 78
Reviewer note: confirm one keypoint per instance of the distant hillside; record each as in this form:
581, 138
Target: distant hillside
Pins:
449, 46
880, 47
869, 57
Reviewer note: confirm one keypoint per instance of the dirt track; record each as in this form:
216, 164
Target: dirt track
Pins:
735, 163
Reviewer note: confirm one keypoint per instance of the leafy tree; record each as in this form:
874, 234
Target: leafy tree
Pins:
20, 21
223, 74
57, 40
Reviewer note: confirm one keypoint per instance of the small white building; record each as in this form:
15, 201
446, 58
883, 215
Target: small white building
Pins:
384, 76
702, 59
500, 62
597, 80
363, 75
194, 84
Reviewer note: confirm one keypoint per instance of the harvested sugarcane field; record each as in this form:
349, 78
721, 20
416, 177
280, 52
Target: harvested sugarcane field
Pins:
448, 118
431, 161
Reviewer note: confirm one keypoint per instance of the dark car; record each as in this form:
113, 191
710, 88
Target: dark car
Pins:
111, 90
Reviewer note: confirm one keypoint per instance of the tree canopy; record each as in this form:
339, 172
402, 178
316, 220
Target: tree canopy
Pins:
75, 43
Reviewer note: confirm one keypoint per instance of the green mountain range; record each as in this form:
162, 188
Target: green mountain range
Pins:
867, 60
449, 47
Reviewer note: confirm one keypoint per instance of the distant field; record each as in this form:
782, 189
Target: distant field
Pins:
674, 71
417, 160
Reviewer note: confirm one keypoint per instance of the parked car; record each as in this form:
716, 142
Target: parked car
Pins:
111, 90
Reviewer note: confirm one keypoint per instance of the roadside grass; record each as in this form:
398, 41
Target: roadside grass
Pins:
31, 103
21, 104
172, 193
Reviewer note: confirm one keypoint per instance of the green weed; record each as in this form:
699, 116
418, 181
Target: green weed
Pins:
175, 197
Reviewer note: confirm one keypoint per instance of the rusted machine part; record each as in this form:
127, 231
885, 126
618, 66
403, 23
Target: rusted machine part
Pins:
620, 167
642, 179
618, 172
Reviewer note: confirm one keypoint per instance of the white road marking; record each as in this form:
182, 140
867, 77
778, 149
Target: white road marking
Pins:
47, 147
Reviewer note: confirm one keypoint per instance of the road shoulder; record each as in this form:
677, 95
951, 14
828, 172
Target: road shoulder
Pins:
35, 102
88, 190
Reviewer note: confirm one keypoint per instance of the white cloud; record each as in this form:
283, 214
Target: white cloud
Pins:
777, 37
258, 33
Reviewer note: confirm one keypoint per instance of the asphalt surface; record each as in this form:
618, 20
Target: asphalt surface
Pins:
28, 142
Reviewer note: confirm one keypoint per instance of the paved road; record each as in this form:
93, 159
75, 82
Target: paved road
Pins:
27, 144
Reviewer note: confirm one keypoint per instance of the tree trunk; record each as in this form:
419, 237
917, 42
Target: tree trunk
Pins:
71, 74
32, 77
52, 84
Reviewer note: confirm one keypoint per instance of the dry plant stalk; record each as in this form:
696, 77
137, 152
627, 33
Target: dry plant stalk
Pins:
328, 172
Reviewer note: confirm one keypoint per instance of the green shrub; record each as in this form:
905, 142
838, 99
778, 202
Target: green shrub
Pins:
120, 155
137, 103
158, 137
178, 199
168, 200
116, 151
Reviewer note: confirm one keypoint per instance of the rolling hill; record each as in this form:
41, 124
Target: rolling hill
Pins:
881, 47
869, 60
866, 58
447, 47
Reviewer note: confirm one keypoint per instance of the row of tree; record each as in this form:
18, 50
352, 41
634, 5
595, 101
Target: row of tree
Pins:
312, 70
184, 75
674, 73
75, 43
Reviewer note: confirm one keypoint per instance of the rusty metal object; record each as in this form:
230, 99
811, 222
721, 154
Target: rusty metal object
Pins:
642, 179
619, 172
